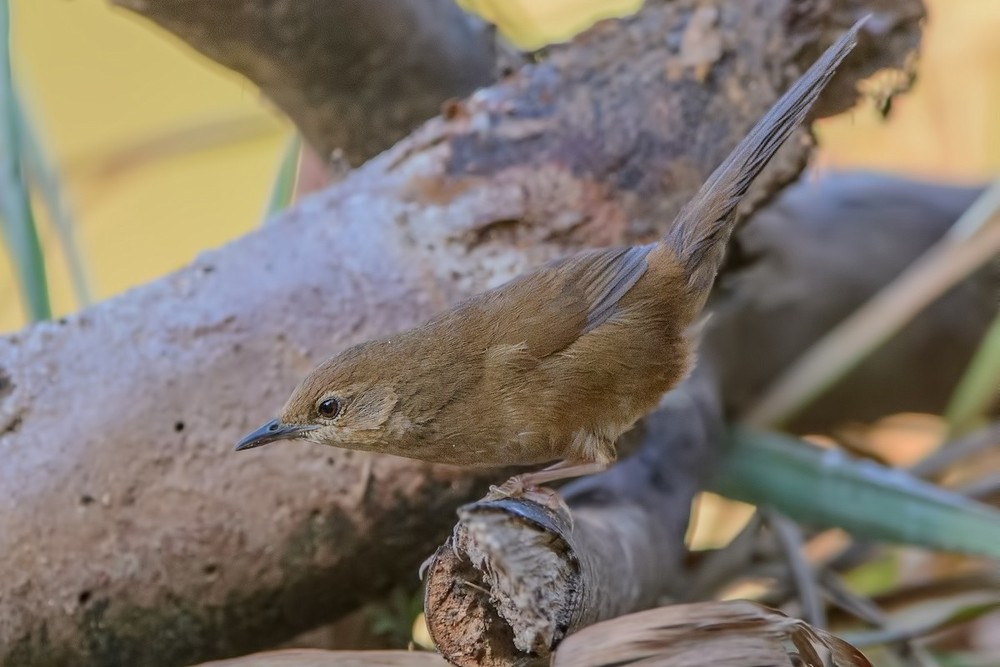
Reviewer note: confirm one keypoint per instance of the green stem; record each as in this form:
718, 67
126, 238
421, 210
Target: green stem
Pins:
284, 181
979, 386
43, 173
15, 208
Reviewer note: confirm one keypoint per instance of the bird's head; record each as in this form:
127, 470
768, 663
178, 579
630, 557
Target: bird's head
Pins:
345, 402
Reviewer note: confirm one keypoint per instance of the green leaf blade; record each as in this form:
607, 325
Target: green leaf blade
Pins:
979, 386
827, 488
43, 174
18, 223
283, 190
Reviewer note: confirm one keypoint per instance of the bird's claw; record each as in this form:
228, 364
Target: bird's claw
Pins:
517, 488
513, 488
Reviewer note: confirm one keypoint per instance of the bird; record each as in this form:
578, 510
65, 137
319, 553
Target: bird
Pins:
554, 365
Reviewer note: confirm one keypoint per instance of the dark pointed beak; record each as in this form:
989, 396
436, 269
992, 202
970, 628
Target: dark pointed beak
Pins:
271, 431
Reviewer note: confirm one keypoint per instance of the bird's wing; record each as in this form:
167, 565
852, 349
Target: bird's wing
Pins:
550, 308
604, 277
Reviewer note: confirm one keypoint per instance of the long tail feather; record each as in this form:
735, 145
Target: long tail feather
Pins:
702, 229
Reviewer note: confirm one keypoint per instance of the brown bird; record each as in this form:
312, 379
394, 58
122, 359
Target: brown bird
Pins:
555, 364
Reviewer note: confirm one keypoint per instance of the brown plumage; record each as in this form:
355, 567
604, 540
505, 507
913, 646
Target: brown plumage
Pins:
553, 365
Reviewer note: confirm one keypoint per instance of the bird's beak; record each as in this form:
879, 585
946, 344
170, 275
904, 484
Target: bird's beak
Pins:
271, 431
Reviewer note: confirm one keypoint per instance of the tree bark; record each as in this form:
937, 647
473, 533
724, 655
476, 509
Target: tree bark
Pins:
133, 535
354, 75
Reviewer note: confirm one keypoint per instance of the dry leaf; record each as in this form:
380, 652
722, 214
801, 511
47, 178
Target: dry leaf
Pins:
721, 634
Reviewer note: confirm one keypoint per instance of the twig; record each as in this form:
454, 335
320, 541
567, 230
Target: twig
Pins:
956, 450
803, 575
978, 388
972, 241
868, 611
921, 628
854, 604
724, 564
983, 487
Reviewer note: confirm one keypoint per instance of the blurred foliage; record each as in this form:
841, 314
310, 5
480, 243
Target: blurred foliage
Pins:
530, 24
394, 618
44, 177
979, 388
17, 221
283, 190
160, 152
824, 487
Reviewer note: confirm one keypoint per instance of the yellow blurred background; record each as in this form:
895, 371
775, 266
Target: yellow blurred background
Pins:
163, 153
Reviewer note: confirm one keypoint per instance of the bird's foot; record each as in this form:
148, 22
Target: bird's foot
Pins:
521, 485
512, 488
516, 488
530, 485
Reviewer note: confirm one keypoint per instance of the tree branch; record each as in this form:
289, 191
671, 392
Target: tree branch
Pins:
354, 75
132, 535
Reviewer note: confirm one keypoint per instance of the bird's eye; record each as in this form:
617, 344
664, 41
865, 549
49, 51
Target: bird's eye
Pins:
329, 408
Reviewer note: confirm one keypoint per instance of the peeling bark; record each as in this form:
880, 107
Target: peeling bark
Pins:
132, 535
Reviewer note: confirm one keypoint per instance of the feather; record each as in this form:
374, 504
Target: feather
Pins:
604, 277
702, 228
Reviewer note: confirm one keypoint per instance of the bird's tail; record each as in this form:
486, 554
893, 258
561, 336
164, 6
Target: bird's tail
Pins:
701, 230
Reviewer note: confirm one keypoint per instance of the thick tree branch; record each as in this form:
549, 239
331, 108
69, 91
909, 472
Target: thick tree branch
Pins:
355, 75
132, 535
